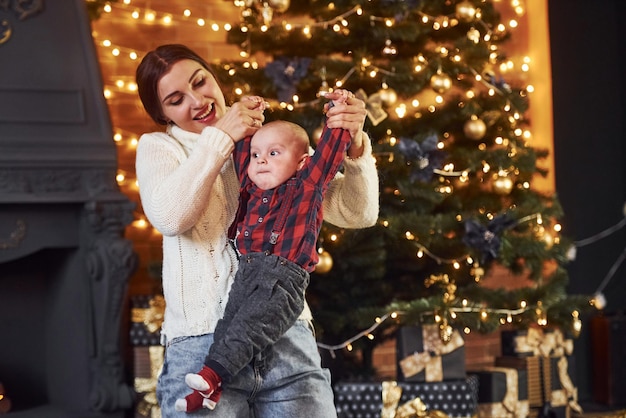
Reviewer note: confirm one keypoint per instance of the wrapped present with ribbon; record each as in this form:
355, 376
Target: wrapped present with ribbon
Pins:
549, 383
424, 357
147, 372
563, 393
147, 313
146, 319
502, 392
546, 357
535, 342
392, 393
392, 399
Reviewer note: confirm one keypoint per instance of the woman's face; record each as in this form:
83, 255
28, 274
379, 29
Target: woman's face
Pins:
190, 96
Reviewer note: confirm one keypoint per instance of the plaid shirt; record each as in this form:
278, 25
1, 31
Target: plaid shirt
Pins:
259, 209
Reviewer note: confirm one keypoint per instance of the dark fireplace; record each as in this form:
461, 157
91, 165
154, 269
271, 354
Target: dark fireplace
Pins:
64, 263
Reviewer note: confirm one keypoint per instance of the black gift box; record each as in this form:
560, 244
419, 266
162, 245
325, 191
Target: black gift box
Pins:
496, 398
545, 371
411, 341
509, 345
457, 398
145, 330
146, 319
492, 384
141, 337
531, 366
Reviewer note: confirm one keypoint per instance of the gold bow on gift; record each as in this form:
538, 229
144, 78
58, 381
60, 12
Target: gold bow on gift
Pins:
146, 386
430, 359
373, 105
569, 394
412, 409
417, 409
544, 344
391, 398
151, 317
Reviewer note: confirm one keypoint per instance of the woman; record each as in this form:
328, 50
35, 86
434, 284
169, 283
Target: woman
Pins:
189, 192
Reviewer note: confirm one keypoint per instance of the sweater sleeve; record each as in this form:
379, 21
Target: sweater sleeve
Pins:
175, 187
352, 197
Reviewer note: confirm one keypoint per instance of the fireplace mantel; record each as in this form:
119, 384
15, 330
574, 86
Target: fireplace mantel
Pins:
64, 262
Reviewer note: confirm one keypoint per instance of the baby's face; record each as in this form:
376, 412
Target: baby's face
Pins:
274, 158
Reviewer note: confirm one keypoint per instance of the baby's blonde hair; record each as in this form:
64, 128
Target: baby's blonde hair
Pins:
296, 132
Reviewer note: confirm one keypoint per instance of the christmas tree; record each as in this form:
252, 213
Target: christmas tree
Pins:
451, 140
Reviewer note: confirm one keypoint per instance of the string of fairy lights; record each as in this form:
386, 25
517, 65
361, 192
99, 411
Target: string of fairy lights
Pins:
506, 314
123, 88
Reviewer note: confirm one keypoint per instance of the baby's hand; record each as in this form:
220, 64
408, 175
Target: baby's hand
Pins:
339, 96
261, 104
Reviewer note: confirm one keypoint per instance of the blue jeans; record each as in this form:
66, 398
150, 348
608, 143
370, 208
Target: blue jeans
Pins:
287, 383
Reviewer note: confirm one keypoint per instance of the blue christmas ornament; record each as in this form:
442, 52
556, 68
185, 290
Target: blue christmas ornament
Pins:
286, 73
424, 157
486, 239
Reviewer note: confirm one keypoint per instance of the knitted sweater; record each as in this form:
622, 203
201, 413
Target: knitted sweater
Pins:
189, 193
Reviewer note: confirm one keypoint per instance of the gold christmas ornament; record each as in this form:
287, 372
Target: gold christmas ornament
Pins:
475, 128
502, 183
279, 5
473, 35
324, 88
445, 332
389, 48
268, 14
440, 82
388, 96
577, 324
542, 316
465, 11
325, 263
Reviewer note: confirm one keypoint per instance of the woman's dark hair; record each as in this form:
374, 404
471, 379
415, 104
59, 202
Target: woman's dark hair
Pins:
152, 67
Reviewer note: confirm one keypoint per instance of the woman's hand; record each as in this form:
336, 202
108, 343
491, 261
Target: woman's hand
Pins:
348, 113
243, 118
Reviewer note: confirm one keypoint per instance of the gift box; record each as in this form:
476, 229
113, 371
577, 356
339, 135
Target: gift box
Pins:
549, 383
502, 392
423, 357
145, 335
455, 398
533, 375
146, 319
148, 363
